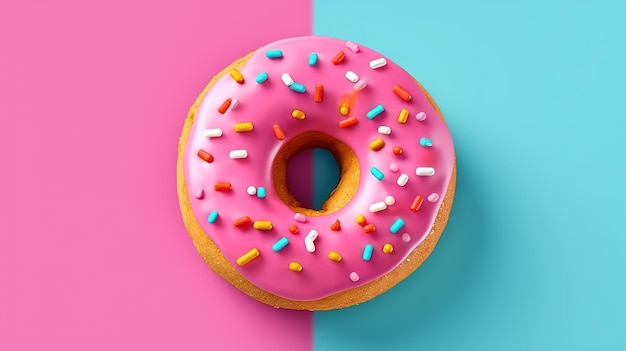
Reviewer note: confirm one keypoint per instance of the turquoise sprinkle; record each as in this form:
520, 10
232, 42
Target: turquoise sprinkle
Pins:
396, 226
213, 217
367, 252
375, 111
260, 192
262, 77
297, 87
273, 54
313, 59
280, 244
377, 173
426, 142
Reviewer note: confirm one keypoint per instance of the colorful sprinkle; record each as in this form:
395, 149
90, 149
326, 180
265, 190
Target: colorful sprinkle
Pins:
299, 217
251, 190
378, 63
243, 127
205, 156
248, 257
344, 109
223, 186
354, 277
360, 220
425, 171
213, 217
351, 76
397, 150
425, 142
236, 154
262, 225
213, 133
295, 267
402, 93
420, 116
199, 194
377, 110
377, 207
272, 54
403, 179
225, 105
280, 244
396, 226
384, 130
319, 93
433, 197
297, 114
334, 256
403, 116
369, 228
313, 59
336, 225
352, 46
293, 229
339, 57
417, 203
309, 244
390, 200
367, 252
261, 193
360, 85
286, 78
262, 77
377, 173
242, 222
278, 132
387, 248
298, 88
394, 167
237, 76
348, 122
406, 237
377, 144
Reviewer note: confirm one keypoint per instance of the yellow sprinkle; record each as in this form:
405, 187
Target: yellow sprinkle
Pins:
297, 114
387, 248
236, 75
404, 116
344, 109
243, 127
360, 219
248, 256
295, 266
262, 225
334, 256
377, 144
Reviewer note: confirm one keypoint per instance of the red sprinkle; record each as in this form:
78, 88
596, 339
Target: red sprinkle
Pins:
293, 229
402, 93
336, 225
225, 106
205, 156
339, 57
319, 93
397, 150
278, 131
417, 203
369, 228
242, 222
223, 186
348, 122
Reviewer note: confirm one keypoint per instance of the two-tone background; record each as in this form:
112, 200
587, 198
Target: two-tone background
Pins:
93, 252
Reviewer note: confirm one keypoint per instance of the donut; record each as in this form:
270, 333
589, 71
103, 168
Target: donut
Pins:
397, 173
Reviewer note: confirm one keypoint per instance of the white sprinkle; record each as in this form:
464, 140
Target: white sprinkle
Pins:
384, 130
433, 197
286, 78
394, 167
358, 86
406, 237
378, 63
402, 179
213, 133
251, 190
352, 76
377, 207
390, 200
420, 116
312, 234
309, 244
352, 46
425, 171
234, 154
199, 193
299, 217
354, 277
233, 104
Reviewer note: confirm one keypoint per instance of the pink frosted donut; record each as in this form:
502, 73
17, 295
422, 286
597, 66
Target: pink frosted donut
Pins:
393, 148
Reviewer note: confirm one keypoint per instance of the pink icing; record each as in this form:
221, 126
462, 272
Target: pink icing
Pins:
272, 102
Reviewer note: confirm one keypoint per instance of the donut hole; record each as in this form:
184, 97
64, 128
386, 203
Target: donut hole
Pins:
312, 176
330, 198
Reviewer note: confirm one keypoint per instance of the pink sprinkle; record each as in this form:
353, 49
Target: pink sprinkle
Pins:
433, 197
406, 237
358, 86
199, 193
299, 217
354, 277
420, 116
352, 46
393, 167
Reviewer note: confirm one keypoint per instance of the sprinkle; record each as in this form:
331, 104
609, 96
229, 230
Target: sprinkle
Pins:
406, 237
348, 122
234, 104
420, 116
299, 217
397, 150
393, 167
278, 131
272, 54
367, 252
353, 77
235, 154
360, 85
403, 116
313, 59
312, 234
243, 127
309, 245
213, 217
242, 222
360, 220
262, 225
280, 244
425, 171
319, 93
354, 277
286, 78
251, 190
417, 203
334, 256
375, 111
225, 105
378, 206
377, 173
297, 114
402, 93
237, 76
262, 77
387, 248
295, 267
425, 142
369, 228
390, 200
377, 144
298, 88
396, 226
260, 193
336, 225
248, 257
403, 179
223, 186
213, 133
339, 57
199, 194
433, 197
352, 46
293, 229
384, 130
378, 63
344, 109
205, 156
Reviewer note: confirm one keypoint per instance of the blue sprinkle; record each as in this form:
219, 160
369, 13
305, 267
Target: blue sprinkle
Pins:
375, 111
426, 142
396, 226
213, 217
260, 192
297, 87
377, 173
367, 252
313, 59
280, 244
262, 77
273, 54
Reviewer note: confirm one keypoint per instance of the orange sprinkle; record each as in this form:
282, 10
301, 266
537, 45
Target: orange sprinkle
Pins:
377, 144
397, 150
369, 228
205, 156
417, 203
241, 222
295, 267
237, 76
403, 116
348, 122
278, 131
387, 248
336, 225
319, 93
334, 256
402, 93
344, 109
339, 57
223, 186
360, 220
225, 106
293, 229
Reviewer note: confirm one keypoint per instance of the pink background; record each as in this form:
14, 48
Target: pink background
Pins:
93, 253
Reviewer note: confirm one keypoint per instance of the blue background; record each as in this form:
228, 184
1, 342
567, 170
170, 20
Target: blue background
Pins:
533, 256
